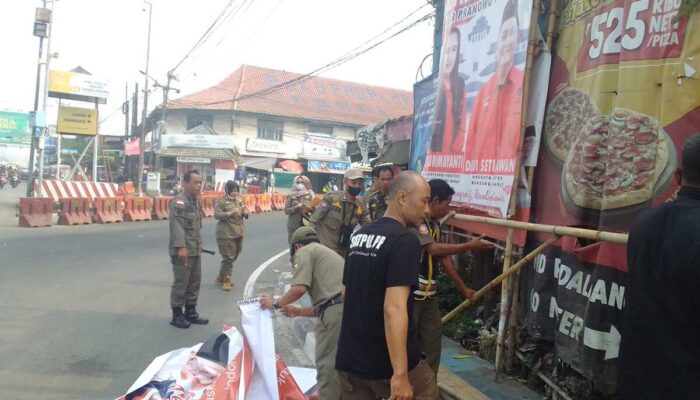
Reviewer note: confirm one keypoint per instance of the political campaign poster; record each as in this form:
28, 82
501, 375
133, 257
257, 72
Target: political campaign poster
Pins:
623, 98
423, 111
228, 366
477, 123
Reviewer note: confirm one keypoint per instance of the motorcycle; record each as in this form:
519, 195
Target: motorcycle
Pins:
14, 180
176, 189
3, 180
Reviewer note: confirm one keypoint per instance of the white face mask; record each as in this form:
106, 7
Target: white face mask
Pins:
299, 186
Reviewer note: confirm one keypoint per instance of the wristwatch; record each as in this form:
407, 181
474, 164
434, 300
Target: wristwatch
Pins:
276, 304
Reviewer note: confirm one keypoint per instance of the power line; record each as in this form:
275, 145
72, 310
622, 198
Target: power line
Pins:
204, 35
342, 60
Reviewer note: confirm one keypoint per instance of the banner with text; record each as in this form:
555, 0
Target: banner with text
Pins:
623, 98
423, 111
476, 136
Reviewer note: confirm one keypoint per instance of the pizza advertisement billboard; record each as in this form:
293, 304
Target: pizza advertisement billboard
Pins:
623, 98
475, 144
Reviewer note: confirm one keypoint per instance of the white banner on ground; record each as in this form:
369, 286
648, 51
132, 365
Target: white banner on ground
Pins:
258, 328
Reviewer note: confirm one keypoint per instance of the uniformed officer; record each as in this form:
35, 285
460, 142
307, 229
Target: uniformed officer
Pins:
435, 255
185, 249
230, 210
318, 270
338, 213
297, 205
376, 200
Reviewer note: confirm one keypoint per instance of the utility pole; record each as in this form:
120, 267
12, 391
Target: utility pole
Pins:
125, 111
134, 126
41, 29
145, 102
163, 111
46, 94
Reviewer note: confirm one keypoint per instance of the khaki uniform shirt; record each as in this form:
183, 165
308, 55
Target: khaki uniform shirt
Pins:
295, 219
428, 232
376, 205
321, 270
335, 210
185, 224
230, 227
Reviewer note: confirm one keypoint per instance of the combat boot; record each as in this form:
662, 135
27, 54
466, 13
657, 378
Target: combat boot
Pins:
179, 320
227, 283
193, 317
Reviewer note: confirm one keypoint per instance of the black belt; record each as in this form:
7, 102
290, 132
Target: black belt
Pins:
320, 309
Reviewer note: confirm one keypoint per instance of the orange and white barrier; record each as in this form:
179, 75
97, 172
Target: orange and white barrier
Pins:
108, 210
138, 209
35, 212
161, 207
57, 190
75, 211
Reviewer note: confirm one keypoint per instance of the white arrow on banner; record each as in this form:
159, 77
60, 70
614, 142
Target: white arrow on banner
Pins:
600, 340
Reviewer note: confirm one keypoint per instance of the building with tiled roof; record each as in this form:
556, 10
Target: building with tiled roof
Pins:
277, 115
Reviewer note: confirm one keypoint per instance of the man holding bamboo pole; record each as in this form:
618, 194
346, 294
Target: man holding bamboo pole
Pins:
436, 255
660, 348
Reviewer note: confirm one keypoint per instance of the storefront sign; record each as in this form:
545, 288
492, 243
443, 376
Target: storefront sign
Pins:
328, 167
323, 146
194, 160
74, 86
14, 125
131, 147
265, 146
77, 121
197, 141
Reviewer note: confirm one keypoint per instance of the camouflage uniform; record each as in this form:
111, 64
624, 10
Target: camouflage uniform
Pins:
376, 205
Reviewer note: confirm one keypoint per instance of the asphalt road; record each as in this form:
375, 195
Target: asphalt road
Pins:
85, 309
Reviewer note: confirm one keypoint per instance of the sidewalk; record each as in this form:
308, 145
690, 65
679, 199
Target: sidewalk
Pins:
460, 377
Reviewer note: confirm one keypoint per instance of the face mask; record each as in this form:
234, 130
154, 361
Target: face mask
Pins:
299, 186
354, 190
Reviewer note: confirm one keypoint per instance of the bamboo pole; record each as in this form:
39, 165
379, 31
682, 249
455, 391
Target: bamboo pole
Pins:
497, 280
507, 261
589, 234
505, 285
513, 320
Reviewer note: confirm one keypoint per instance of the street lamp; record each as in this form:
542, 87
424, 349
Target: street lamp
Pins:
145, 100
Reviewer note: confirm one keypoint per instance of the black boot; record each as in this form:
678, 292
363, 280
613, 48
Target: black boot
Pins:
179, 320
193, 316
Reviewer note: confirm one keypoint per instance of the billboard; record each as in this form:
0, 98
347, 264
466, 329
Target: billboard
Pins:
327, 167
323, 146
475, 145
75, 86
423, 111
14, 128
77, 121
621, 103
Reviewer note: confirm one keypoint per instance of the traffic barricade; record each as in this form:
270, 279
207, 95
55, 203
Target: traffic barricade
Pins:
108, 210
263, 203
281, 200
208, 205
127, 189
75, 211
250, 203
137, 209
161, 207
34, 212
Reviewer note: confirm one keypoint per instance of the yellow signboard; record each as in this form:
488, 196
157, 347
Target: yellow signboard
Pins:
75, 86
77, 121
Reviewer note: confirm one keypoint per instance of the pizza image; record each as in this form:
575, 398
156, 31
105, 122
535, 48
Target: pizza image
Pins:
566, 116
616, 162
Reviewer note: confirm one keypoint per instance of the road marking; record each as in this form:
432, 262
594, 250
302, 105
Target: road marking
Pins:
250, 284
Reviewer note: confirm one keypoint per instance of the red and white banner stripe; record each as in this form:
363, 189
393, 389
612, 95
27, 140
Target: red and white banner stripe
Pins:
74, 189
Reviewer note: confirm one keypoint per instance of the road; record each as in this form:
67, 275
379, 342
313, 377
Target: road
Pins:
85, 308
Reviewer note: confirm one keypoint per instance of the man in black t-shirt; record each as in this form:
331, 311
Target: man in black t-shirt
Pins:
378, 351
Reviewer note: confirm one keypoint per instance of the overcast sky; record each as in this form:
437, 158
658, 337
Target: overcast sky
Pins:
108, 38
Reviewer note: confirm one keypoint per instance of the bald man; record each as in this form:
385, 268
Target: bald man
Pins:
383, 360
